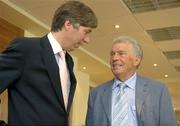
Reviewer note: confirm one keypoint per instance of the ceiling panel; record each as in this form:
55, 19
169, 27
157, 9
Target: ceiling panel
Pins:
159, 19
175, 62
169, 45
138, 6
178, 68
172, 54
165, 33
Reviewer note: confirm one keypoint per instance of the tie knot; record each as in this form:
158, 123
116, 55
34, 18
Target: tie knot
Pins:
122, 87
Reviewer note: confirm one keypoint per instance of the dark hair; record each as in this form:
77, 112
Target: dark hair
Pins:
77, 13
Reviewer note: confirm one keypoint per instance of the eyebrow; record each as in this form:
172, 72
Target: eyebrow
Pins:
88, 30
118, 51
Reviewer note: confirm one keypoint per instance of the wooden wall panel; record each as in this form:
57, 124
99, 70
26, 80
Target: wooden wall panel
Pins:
8, 32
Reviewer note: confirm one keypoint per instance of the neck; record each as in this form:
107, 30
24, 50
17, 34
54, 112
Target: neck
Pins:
59, 37
125, 77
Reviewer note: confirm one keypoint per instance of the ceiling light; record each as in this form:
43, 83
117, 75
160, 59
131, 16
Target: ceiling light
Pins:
117, 26
165, 75
84, 68
155, 65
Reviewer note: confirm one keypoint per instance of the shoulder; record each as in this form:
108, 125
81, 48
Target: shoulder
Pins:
151, 83
26, 41
102, 87
23, 42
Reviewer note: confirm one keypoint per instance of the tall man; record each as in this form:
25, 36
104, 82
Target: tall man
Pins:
39, 93
129, 99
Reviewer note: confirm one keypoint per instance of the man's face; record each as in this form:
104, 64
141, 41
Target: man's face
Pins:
77, 37
123, 61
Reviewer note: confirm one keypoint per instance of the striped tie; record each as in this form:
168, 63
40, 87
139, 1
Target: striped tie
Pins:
120, 116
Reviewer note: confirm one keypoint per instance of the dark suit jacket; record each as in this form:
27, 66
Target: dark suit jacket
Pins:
29, 70
152, 104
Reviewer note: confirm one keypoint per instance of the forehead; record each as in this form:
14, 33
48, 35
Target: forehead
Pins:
121, 46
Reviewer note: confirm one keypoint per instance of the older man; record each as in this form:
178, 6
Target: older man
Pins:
129, 99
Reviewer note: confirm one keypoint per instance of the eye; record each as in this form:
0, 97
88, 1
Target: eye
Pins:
112, 53
121, 53
87, 32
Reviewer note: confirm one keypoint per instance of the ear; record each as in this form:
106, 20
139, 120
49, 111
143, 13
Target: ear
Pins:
67, 25
137, 61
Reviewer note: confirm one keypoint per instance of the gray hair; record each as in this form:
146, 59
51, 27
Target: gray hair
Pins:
136, 47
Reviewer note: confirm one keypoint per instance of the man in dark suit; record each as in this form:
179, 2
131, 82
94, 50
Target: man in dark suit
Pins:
142, 101
29, 69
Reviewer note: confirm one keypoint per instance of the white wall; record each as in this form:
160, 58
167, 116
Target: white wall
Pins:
80, 100
79, 107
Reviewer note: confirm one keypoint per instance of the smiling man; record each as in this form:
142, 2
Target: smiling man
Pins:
38, 72
129, 99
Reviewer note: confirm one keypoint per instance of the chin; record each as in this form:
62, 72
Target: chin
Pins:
118, 69
116, 72
69, 50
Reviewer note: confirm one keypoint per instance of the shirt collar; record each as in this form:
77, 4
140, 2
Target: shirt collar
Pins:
131, 82
54, 43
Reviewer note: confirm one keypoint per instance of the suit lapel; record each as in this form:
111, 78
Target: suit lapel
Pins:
52, 67
70, 65
141, 95
106, 100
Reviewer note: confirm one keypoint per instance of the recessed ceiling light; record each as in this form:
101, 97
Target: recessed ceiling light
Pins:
117, 26
165, 75
84, 68
155, 65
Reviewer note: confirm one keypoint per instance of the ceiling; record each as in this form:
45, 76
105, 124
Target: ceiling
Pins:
154, 23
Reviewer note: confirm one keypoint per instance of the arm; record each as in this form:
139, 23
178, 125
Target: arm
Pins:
11, 64
167, 115
89, 115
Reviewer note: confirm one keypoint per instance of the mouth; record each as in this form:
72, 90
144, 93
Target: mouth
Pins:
117, 66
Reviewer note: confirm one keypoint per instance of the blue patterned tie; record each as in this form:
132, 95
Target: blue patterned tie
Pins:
120, 116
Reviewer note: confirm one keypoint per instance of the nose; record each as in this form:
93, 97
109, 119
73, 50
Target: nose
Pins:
86, 39
115, 57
